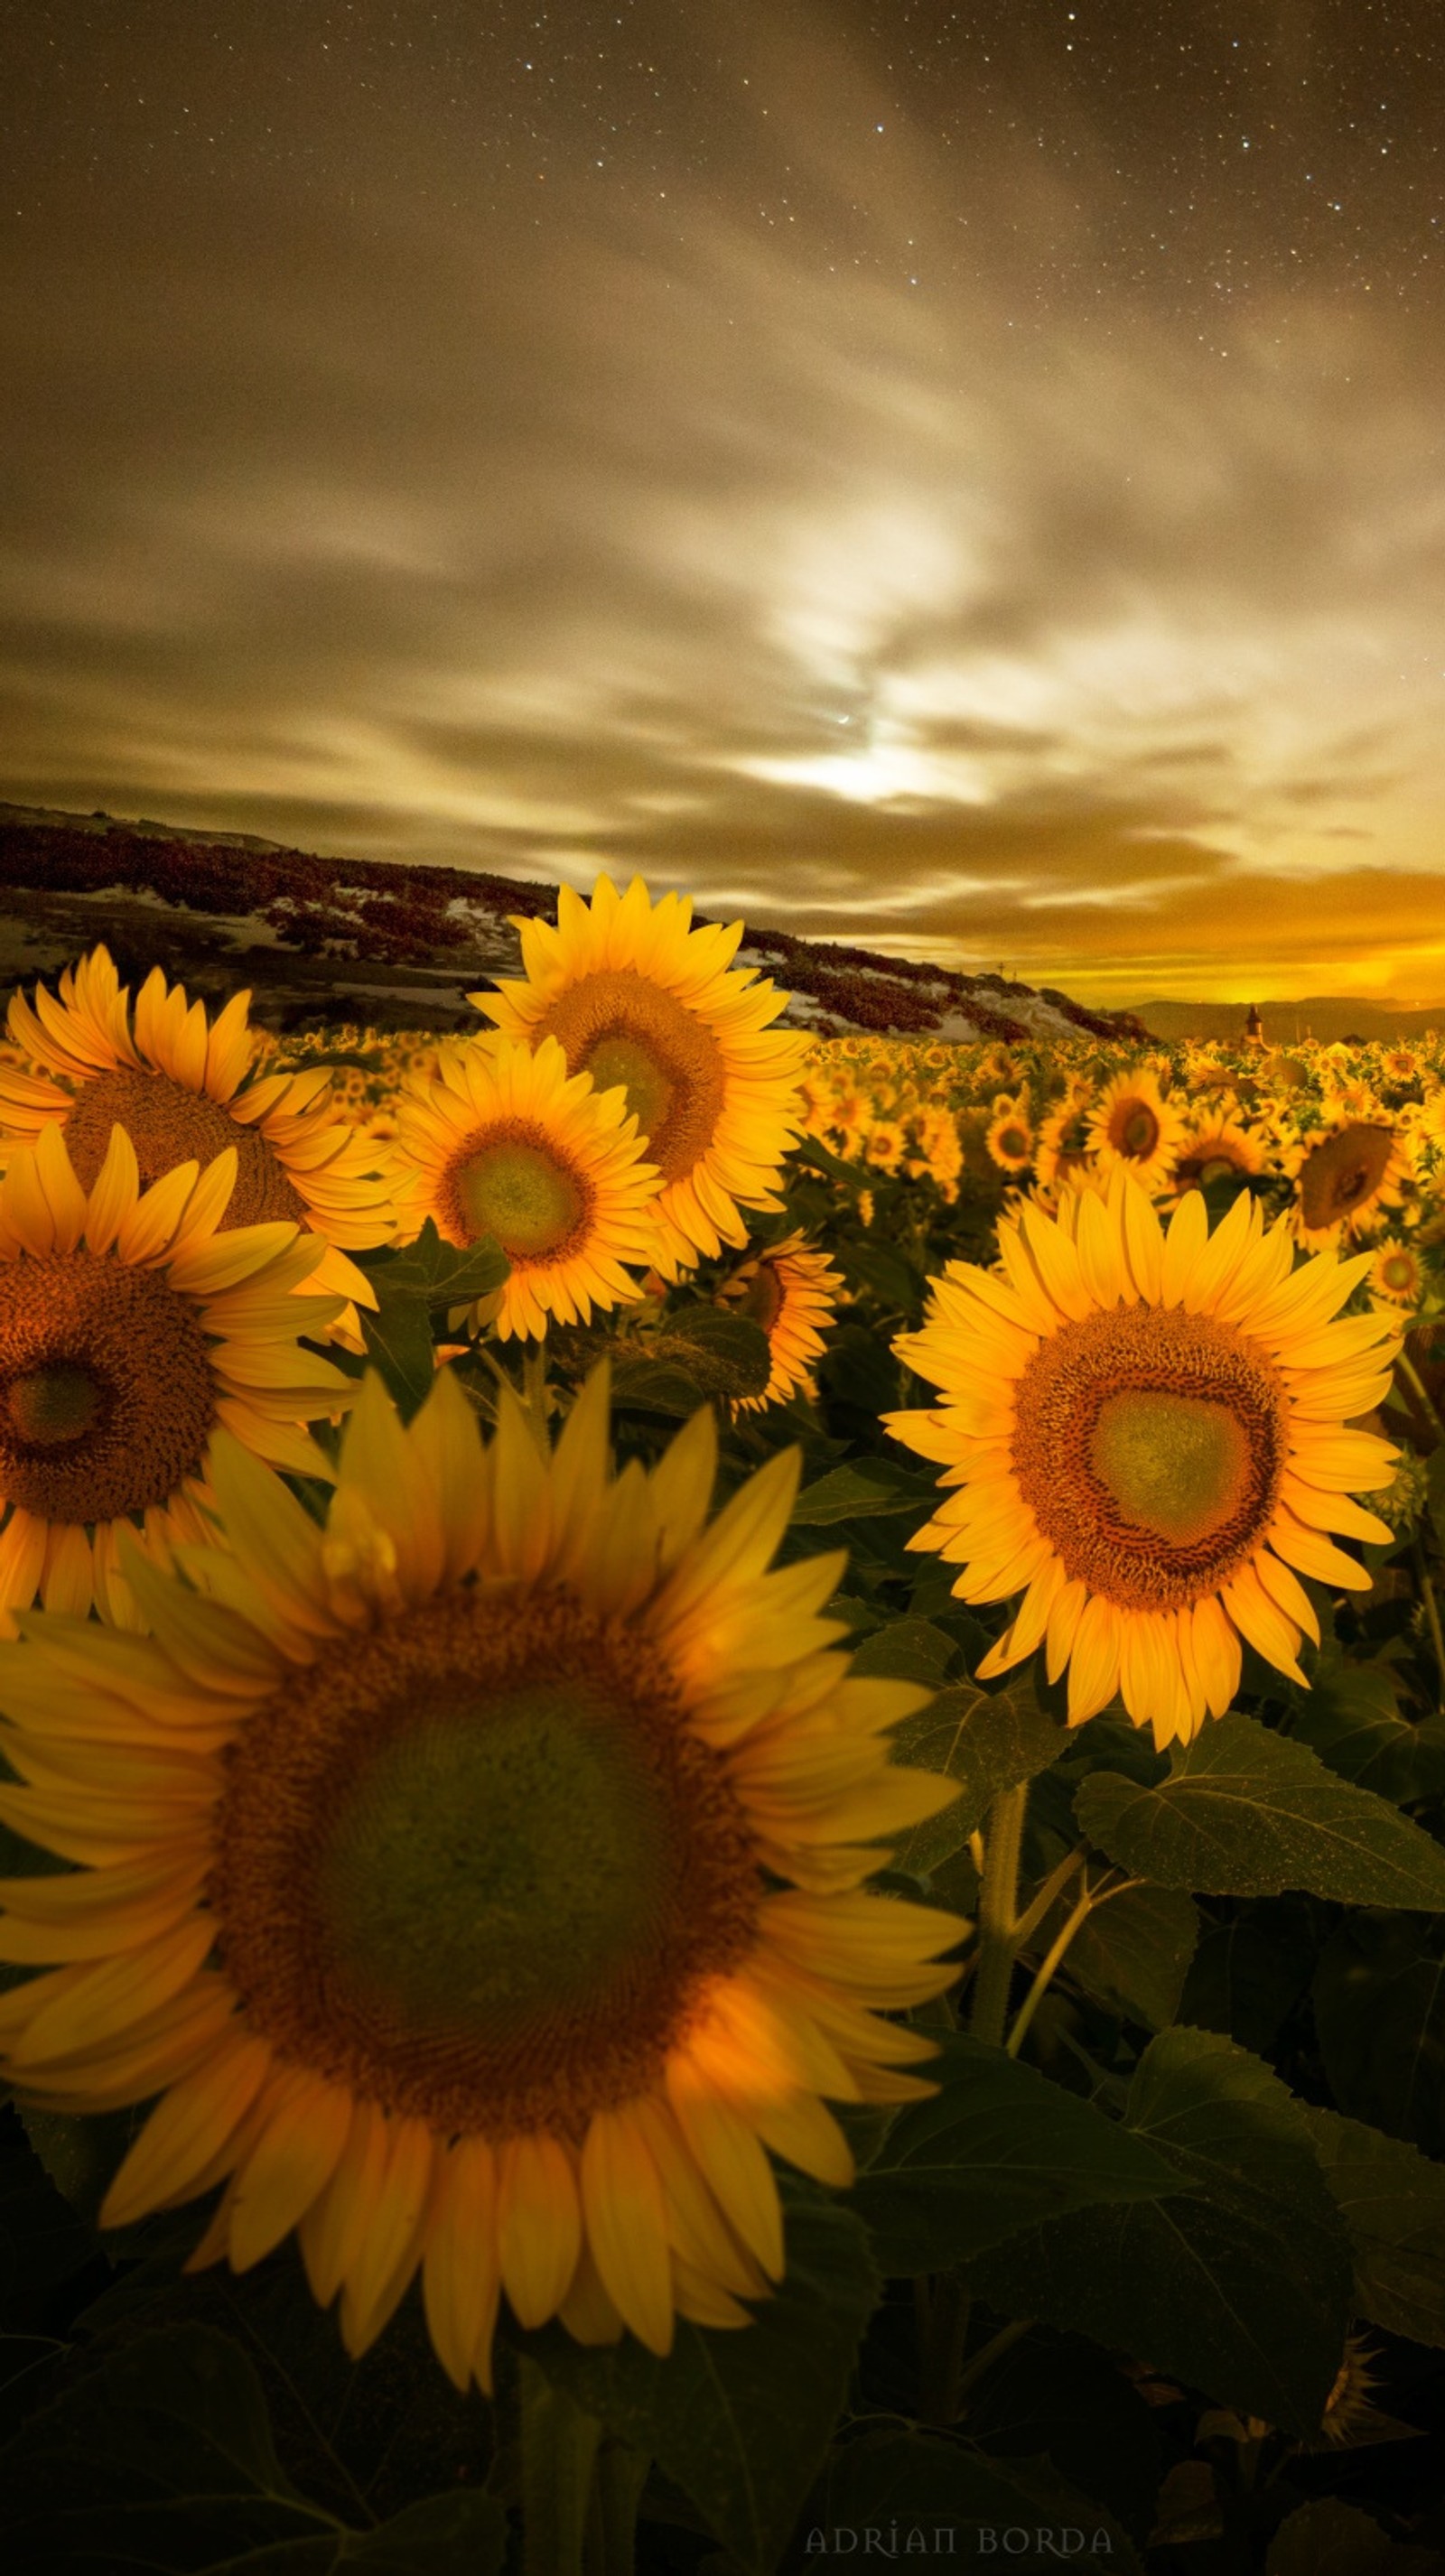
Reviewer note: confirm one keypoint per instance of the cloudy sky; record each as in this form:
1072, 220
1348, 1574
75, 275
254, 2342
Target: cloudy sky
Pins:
966, 480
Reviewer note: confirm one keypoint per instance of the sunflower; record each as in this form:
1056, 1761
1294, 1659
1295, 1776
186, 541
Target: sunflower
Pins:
636, 997
1062, 1146
1213, 1145
130, 1329
789, 1291
1148, 1431
1010, 1138
478, 1881
1133, 1123
184, 1090
504, 1143
1345, 1179
1397, 1273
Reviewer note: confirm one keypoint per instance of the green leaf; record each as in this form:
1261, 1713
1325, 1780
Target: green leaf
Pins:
1332, 2538
986, 1740
399, 1344
727, 1354
906, 1650
1351, 1717
849, 1494
1379, 1998
1247, 1974
1239, 2283
1133, 1951
908, 2484
443, 1274
1245, 1812
995, 2150
1057, 2396
740, 2420
164, 2457
42, 2241
1392, 2201
654, 1385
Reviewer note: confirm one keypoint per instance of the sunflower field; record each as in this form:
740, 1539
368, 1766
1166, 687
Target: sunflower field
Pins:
722, 1783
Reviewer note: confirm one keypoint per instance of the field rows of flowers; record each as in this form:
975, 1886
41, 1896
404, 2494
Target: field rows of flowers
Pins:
740, 1738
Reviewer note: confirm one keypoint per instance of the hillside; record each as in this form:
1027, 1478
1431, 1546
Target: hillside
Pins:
321, 940
1326, 1016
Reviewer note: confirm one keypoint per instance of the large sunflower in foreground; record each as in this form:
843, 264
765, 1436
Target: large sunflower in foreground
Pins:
130, 1331
1148, 1431
635, 996
181, 1086
477, 1881
505, 1143
788, 1290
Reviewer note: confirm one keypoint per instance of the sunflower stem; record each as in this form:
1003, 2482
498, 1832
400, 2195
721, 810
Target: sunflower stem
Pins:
943, 2349
559, 2453
534, 1391
612, 2513
998, 1933
1412, 1377
990, 2352
1044, 1974
1432, 1610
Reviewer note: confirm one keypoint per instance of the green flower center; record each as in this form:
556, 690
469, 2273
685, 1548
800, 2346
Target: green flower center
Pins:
1174, 1464
494, 1863
478, 1868
1139, 1132
619, 1063
521, 1195
53, 1404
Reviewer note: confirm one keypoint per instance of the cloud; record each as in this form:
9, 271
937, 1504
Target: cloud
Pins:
387, 515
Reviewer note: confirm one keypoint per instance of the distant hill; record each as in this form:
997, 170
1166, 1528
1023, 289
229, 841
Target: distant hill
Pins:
1327, 1016
321, 940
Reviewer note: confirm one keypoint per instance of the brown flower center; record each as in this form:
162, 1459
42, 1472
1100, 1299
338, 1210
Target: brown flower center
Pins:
169, 1124
480, 1869
511, 1180
1133, 1129
1149, 1445
1344, 1173
107, 1399
630, 1034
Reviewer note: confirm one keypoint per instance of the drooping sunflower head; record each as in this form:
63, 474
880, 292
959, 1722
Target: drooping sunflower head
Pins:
1147, 1433
185, 1089
491, 1889
131, 1330
1214, 1146
639, 1000
1346, 1179
790, 1291
505, 1143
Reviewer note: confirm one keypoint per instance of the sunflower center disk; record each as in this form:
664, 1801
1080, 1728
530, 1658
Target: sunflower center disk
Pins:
53, 1404
522, 1195
1137, 1132
1150, 1445
1175, 1465
481, 1873
167, 1124
107, 1399
628, 1032
496, 1861
1342, 1172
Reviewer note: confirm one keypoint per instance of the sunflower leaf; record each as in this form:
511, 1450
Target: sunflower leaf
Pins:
986, 1740
1392, 2200
727, 1354
1132, 1953
997, 2149
1379, 2001
914, 2483
858, 1491
1245, 1812
164, 2457
444, 1274
740, 2420
1240, 2282
1351, 1718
